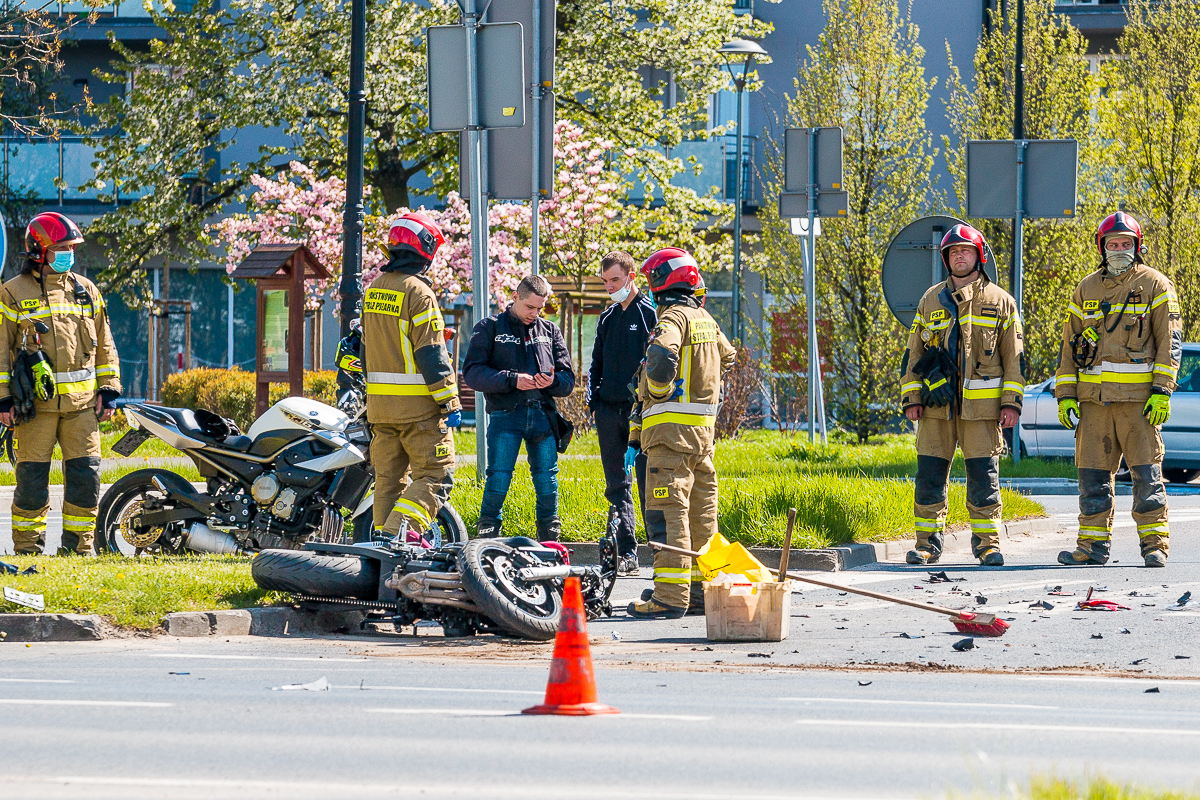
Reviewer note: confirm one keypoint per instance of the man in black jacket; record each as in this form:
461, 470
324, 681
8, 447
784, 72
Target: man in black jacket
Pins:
520, 363
621, 336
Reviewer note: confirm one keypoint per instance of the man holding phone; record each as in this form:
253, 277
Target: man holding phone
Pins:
520, 362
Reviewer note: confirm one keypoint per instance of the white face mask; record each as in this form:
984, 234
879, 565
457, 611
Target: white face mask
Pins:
1119, 261
620, 295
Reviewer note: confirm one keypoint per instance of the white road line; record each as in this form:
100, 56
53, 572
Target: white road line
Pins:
438, 689
256, 658
1112, 679
520, 790
996, 726
913, 703
31, 680
480, 712
119, 703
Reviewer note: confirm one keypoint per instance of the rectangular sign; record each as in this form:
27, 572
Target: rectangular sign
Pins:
797, 175
1050, 178
829, 204
500, 64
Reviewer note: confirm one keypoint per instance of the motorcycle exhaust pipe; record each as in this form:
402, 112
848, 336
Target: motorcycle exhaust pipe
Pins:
204, 539
530, 574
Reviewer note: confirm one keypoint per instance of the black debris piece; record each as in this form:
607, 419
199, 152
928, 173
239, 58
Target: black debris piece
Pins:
980, 599
840, 628
1183, 600
1183, 656
864, 683
760, 655
1138, 661
907, 636
964, 644
30, 570
1153, 690
179, 673
1097, 635
11, 569
1042, 604
942, 577
1124, 630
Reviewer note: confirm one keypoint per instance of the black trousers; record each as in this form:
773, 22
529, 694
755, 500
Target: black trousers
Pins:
612, 428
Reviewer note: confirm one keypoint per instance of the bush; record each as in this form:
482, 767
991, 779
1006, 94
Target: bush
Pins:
230, 392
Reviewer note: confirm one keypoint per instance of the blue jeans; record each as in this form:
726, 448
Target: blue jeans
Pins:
506, 431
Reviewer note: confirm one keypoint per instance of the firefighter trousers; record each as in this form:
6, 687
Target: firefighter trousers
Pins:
1105, 433
77, 434
681, 510
981, 445
414, 463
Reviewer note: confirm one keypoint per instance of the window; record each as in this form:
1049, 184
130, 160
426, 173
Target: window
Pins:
1189, 372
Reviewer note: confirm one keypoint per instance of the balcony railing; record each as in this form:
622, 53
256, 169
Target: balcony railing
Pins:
52, 169
1089, 2
117, 8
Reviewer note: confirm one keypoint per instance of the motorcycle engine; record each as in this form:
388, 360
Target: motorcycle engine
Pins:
285, 506
265, 489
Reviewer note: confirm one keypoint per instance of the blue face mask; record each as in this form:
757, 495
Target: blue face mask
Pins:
63, 261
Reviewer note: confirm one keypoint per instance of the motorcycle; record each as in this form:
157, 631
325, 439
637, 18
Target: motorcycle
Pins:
509, 586
296, 475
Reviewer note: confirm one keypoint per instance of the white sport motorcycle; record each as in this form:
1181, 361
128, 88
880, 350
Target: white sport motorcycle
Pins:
298, 475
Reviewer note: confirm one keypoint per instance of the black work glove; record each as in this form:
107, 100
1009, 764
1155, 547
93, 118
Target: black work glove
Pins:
108, 398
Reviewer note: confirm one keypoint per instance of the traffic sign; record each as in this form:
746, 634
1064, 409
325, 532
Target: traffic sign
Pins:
501, 76
913, 263
796, 174
1050, 178
829, 204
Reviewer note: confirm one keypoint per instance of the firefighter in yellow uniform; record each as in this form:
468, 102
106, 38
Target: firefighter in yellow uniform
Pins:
412, 397
1122, 343
679, 391
962, 380
59, 377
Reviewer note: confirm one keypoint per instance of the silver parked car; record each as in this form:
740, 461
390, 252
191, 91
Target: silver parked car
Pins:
1042, 435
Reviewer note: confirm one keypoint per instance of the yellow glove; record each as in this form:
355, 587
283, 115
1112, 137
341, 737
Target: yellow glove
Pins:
43, 377
1066, 407
1158, 409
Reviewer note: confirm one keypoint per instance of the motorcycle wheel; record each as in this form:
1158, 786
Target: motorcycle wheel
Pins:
489, 575
449, 528
316, 574
118, 504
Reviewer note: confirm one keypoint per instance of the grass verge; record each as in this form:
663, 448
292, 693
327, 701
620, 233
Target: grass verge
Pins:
138, 592
1098, 788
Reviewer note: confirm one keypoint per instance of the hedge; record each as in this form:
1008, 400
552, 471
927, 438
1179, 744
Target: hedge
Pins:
230, 392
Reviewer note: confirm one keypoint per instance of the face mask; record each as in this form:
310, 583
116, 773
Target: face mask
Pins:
620, 295
63, 261
1119, 261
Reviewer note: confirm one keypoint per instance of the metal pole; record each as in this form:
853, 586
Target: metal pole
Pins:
811, 286
478, 218
352, 219
535, 195
1018, 266
229, 314
821, 398
736, 311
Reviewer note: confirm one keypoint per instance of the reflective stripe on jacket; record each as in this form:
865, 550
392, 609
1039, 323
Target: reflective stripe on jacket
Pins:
980, 324
408, 371
79, 344
1141, 351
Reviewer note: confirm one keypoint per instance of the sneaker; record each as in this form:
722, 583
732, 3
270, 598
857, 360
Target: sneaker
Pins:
991, 558
628, 565
920, 556
1155, 558
1079, 557
652, 609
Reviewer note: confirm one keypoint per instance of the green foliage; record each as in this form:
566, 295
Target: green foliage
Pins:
139, 592
231, 392
1097, 788
865, 75
1060, 96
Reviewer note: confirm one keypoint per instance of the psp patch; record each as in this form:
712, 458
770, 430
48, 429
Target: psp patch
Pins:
660, 492
441, 450
1091, 305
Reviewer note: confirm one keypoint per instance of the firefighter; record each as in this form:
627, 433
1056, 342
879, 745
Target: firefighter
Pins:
59, 378
412, 397
679, 389
962, 380
1122, 342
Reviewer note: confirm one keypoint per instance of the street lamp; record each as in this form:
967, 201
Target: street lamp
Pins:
745, 51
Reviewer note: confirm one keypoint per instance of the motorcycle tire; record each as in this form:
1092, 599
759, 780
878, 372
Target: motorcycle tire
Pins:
119, 495
316, 574
488, 568
448, 518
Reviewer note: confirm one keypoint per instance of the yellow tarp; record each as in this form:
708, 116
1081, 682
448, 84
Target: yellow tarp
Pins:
718, 555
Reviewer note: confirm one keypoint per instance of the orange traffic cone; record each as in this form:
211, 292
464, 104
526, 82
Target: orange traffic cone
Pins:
571, 690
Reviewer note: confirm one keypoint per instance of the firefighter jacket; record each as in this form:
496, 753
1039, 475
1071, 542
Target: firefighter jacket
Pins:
980, 327
79, 344
687, 353
408, 371
1122, 337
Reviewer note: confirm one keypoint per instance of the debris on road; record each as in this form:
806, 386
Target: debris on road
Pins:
1183, 656
179, 673
865, 683
1124, 630
616, 637
13, 569
1097, 635
760, 655
1185, 601
1042, 604
942, 577
1089, 604
964, 644
980, 599
321, 684
907, 636
35, 601
1137, 661
1152, 690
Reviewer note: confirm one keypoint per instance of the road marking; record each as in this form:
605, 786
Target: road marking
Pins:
256, 658
439, 689
914, 703
997, 726
395, 788
1111, 679
31, 680
473, 712
120, 703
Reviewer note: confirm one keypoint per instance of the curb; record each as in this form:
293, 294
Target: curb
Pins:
51, 627
835, 559
275, 621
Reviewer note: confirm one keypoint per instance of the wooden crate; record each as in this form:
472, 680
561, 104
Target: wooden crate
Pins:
755, 612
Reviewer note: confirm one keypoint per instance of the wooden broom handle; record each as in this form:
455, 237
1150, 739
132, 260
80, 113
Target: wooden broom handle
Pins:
787, 545
839, 587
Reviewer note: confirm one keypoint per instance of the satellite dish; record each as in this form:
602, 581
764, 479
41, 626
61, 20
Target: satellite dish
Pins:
914, 263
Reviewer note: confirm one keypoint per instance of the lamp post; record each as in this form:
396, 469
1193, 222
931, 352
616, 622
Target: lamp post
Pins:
746, 51
353, 216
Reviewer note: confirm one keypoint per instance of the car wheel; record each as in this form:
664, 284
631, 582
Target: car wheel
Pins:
1177, 475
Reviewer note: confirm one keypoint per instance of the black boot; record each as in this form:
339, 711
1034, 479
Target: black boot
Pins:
548, 529
489, 527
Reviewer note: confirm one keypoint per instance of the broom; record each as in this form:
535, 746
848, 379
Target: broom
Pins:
969, 622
